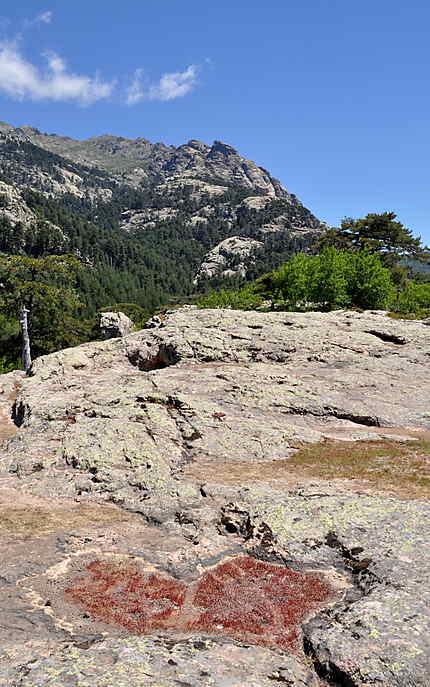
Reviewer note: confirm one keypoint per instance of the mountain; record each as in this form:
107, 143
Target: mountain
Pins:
150, 221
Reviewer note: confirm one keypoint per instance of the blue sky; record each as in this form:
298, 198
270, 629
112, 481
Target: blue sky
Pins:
332, 96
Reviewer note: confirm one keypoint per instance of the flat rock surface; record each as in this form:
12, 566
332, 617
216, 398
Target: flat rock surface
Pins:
176, 449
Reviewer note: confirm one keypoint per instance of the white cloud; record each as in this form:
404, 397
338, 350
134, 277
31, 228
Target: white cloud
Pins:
22, 80
174, 85
43, 18
171, 85
135, 92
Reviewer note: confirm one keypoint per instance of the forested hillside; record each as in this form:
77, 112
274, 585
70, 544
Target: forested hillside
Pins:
143, 237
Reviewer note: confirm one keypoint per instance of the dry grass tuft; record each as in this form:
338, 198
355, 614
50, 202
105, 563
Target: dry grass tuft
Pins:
394, 466
402, 467
31, 520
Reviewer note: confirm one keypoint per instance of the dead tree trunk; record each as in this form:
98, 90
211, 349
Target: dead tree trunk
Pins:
26, 353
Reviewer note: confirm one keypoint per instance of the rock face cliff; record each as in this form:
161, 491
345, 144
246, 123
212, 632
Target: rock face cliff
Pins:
132, 157
145, 197
166, 517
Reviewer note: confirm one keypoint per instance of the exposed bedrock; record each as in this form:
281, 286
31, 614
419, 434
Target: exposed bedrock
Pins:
174, 448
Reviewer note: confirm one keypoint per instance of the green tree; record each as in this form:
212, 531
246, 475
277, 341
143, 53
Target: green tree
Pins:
44, 286
330, 279
332, 238
9, 343
377, 233
415, 298
370, 284
293, 281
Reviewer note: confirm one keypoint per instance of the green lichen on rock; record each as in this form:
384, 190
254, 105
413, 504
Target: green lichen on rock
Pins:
384, 635
155, 663
108, 447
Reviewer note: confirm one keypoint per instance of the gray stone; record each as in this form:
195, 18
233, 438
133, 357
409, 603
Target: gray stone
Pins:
154, 322
114, 324
141, 662
383, 635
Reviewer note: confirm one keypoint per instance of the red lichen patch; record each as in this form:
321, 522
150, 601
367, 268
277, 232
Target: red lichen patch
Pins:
257, 602
243, 598
123, 595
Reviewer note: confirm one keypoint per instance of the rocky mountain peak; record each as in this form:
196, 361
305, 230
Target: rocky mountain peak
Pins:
5, 127
28, 131
139, 159
106, 137
197, 145
222, 149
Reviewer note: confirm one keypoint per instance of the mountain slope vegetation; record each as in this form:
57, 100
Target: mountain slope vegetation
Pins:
143, 217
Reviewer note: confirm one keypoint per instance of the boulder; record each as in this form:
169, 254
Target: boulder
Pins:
115, 324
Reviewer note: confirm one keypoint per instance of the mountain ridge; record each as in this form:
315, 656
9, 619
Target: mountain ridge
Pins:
148, 209
116, 153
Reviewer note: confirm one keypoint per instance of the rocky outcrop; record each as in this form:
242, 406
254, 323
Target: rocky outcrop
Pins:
221, 161
114, 324
132, 220
25, 165
13, 206
139, 158
19, 216
170, 459
232, 257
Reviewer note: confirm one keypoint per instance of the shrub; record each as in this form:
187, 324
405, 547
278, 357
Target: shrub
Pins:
243, 299
370, 283
415, 298
334, 279
292, 282
330, 279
